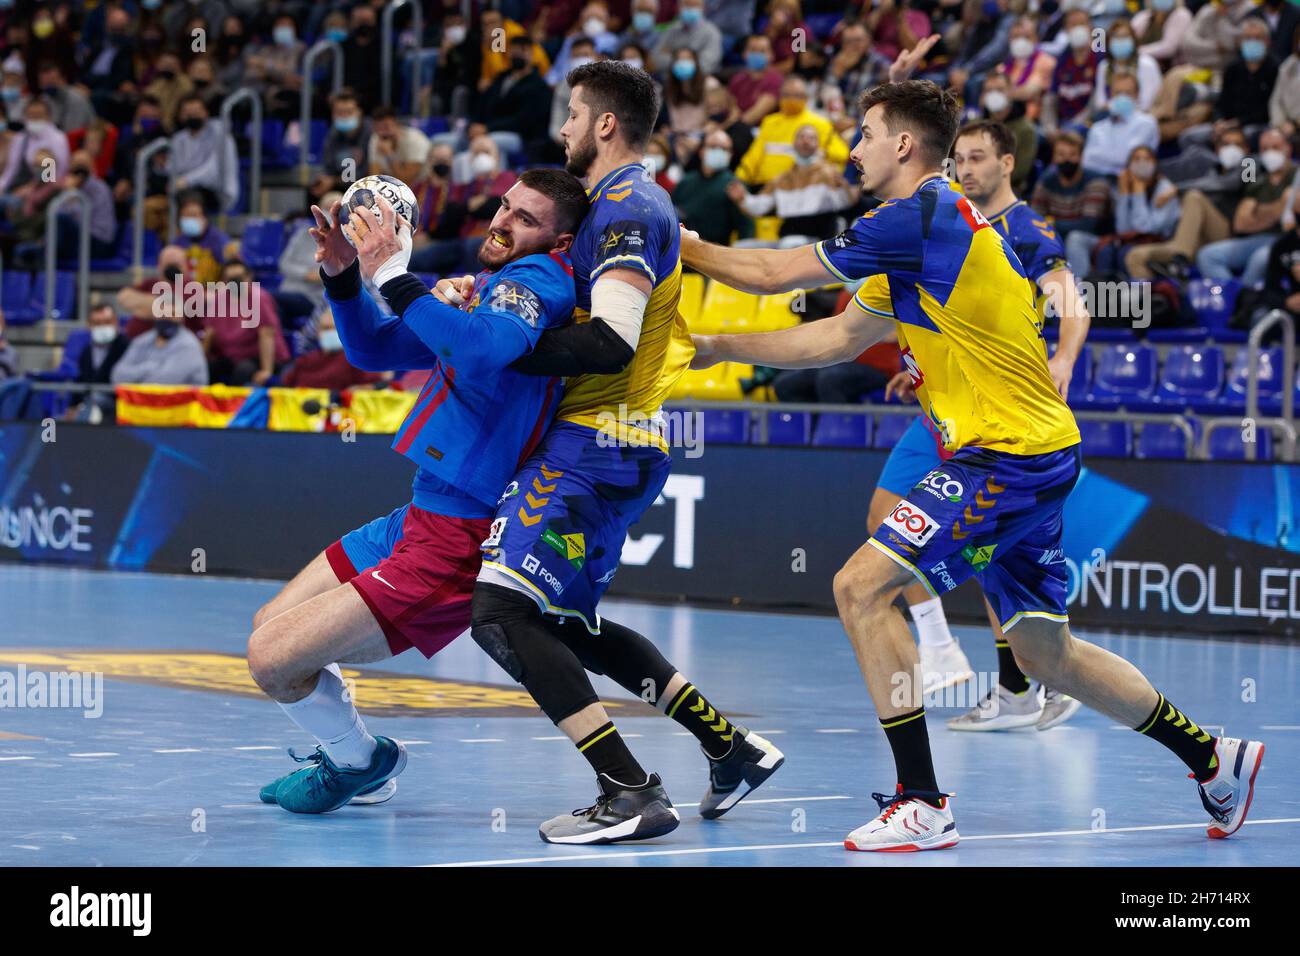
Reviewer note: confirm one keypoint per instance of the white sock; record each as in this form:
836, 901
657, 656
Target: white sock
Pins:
328, 714
931, 624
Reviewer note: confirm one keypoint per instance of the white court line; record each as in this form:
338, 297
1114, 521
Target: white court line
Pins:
561, 737
258, 747
836, 843
750, 803
412, 743
482, 740
837, 730
106, 753
768, 733
179, 750
24, 846
17, 758
1279, 726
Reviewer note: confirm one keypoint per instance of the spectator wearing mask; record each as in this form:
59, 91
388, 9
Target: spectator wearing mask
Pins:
518, 101
1257, 219
685, 94
856, 65
808, 197
1283, 21
459, 63
13, 92
999, 106
986, 36
25, 205
690, 31
99, 139
1282, 273
347, 143
1284, 104
1028, 67
703, 198
481, 196
103, 221
643, 27
275, 69
229, 53
361, 55
300, 293
723, 114
170, 86
784, 23
1122, 56
773, 152
582, 52
1159, 28
495, 56
1074, 80
395, 149
1124, 128
96, 361
1146, 210
69, 108
137, 301
327, 366
110, 68
51, 41
204, 244
1216, 169
1211, 40
145, 127
202, 72
1249, 80
195, 156
438, 246
243, 341
756, 87
38, 135
659, 161
176, 17
1070, 195
592, 23
166, 354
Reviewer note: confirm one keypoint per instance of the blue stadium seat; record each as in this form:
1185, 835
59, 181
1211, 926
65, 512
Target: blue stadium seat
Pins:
1233, 399
65, 297
123, 257
1193, 374
1165, 441
1226, 444
262, 242
1213, 301
789, 428
1125, 373
318, 130
432, 125
1106, 439
890, 429
728, 426
16, 297
842, 430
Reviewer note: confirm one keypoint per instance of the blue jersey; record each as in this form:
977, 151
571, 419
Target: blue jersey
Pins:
631, 225
475, 420
1032, 238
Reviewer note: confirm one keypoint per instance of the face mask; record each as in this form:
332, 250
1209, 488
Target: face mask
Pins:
193, 123
655, 163
1022, 48
39, 127
11, 93
103, 334
283, 36
995, 101
455, 35
518, 63
756, 61
801, 160
1068, 169
578, 61
1253, 51
1273, 159
715, 157
166, 328
635, 62
1122, 47
792, 105
192, 226
329, 340
684, 70
691, 15
482, 165
347, 124
1144, 169
43, 28
337, 34
1079, 37
593, 27
1164, 6
643, 22
1231, 155
1122, 105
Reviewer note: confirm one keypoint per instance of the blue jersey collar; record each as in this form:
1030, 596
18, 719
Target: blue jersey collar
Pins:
999, 215
612, 175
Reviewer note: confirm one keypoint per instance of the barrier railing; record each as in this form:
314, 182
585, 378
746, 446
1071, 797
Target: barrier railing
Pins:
1253, 345
1284, 427
388, 44
142, 160
242, 95
52, 252
319, 49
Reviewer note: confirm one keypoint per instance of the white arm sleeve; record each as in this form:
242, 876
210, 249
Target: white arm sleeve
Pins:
621, 306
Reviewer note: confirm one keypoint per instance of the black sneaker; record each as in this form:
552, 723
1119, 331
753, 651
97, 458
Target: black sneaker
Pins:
752, 760
620, 813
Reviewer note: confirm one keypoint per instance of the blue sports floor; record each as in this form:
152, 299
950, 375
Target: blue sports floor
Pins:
168, 774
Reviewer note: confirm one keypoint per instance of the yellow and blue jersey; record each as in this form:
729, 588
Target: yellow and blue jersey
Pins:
970, 335
1032, 238
631, 225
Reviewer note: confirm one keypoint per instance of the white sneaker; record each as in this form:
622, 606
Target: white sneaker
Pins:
1002, 710
1058, 707
906, 825
1222, 794
943, 666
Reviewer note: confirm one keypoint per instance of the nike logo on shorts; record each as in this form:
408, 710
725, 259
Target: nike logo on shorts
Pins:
375, 575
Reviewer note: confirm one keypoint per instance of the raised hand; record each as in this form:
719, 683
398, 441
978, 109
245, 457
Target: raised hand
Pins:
333, 251
908, 60
384, 252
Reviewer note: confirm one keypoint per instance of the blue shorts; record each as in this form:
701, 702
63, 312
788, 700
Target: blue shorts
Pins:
560, 525
914, 457
994, 515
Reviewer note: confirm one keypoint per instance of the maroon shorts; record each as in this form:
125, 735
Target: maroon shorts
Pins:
416, 571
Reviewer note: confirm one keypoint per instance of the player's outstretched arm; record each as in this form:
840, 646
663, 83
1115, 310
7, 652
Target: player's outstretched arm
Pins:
841, 338
761, 271
372, 341
1063, 293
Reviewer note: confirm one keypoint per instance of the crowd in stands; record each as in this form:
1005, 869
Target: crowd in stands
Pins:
1159, 137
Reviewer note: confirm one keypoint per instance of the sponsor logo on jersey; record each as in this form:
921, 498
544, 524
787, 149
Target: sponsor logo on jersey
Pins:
978, 558
943, 485
494, 533
517, 300
1052, 556
911, 523
572, 547
534, 567
941, 569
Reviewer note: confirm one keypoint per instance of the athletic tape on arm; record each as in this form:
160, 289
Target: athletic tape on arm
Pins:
621, 305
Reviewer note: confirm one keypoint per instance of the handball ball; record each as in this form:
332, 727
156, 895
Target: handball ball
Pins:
364, 192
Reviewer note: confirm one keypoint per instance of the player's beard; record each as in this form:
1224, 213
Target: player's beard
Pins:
582, 154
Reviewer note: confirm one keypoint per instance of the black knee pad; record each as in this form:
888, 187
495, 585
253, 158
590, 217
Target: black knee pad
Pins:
492, 638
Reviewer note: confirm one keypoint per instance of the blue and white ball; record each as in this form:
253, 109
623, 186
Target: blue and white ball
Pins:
364, 191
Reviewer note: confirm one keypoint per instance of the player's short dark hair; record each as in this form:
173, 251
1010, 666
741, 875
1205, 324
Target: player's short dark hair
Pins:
611, 86
1001, 137
920, 106
564, 190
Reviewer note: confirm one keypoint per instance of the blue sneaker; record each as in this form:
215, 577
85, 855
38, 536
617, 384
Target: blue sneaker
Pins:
325, 786
379, 793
